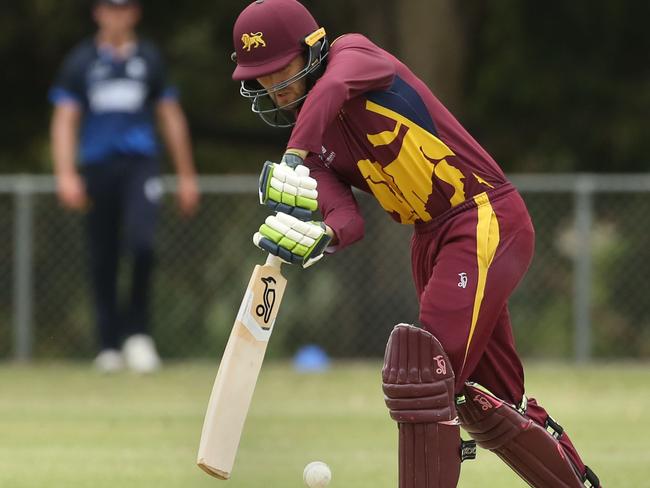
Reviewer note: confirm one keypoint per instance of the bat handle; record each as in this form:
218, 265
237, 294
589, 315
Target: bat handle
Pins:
272, 260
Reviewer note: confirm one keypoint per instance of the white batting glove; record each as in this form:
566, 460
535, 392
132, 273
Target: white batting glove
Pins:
293, 240
287, 187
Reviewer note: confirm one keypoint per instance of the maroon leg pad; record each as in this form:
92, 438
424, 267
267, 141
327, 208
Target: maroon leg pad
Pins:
528, 448
418, 385
539, 415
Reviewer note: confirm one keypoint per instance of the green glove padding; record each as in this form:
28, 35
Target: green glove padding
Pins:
292, 239
288, 189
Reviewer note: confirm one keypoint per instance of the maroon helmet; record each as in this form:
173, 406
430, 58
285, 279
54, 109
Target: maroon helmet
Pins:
268, 35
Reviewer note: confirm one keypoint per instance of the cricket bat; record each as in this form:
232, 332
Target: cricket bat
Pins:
239, 368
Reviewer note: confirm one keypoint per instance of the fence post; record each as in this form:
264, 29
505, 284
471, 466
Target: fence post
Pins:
584, 192
22, 268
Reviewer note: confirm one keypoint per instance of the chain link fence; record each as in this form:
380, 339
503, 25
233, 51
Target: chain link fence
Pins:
584, 296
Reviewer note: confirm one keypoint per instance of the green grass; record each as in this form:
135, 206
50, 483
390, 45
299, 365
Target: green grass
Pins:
63, 425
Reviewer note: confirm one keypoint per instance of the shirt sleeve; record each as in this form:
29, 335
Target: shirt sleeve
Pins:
337, 205
354, 66
68, 86
159, 85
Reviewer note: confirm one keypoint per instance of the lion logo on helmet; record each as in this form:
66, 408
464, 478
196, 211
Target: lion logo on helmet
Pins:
253, 40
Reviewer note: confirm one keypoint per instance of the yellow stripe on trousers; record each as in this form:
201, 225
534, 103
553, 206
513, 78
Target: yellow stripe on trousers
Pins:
487, 241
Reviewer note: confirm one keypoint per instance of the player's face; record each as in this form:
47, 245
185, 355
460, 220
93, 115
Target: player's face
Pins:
117, 19
288, 95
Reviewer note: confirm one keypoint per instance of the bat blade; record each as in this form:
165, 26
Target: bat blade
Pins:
239, 368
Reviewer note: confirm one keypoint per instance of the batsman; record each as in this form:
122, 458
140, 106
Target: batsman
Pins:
361, 119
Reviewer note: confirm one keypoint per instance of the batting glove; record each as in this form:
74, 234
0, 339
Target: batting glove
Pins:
287, 187
293, 240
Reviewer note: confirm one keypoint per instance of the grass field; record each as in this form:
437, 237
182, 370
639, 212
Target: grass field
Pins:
63, 425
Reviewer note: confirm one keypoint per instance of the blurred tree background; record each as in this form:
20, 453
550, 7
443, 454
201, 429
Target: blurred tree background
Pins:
545, 87
552, 86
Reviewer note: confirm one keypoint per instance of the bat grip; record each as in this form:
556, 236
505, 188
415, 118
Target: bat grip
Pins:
272, 260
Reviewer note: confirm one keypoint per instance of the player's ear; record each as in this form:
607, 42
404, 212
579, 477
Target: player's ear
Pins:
233, 57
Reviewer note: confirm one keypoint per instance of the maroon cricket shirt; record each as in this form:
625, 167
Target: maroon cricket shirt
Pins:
375, 126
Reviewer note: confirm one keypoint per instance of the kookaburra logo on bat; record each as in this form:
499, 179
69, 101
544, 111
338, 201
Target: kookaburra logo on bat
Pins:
264, 309
253, 40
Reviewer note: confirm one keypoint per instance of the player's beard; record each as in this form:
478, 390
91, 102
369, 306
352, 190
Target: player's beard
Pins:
290, 98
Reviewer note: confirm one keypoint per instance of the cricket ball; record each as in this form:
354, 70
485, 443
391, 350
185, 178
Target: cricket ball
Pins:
317, 474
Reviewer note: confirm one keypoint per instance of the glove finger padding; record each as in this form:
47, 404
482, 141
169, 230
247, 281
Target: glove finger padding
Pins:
288, 189
292, 240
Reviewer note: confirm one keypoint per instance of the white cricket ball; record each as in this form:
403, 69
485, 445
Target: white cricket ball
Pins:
317, 474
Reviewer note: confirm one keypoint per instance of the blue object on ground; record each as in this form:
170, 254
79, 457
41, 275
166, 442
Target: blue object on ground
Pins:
311, 359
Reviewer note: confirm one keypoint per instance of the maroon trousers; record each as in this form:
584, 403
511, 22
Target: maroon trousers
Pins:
466, 264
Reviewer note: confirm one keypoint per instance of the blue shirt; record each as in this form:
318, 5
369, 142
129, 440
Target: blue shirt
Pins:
117, 97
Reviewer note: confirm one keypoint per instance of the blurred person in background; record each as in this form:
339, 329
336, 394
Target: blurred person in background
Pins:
110, 92
362, 119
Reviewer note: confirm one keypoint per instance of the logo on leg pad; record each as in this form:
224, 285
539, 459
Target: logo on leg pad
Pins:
442, 365
484, 402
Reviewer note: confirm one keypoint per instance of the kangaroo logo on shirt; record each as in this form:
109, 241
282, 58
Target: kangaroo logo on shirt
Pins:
253, 40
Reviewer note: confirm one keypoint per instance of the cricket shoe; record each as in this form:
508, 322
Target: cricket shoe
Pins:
109, 361
140, 354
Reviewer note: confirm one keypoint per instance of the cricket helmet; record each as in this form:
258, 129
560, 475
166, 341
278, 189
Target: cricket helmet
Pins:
267, 36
